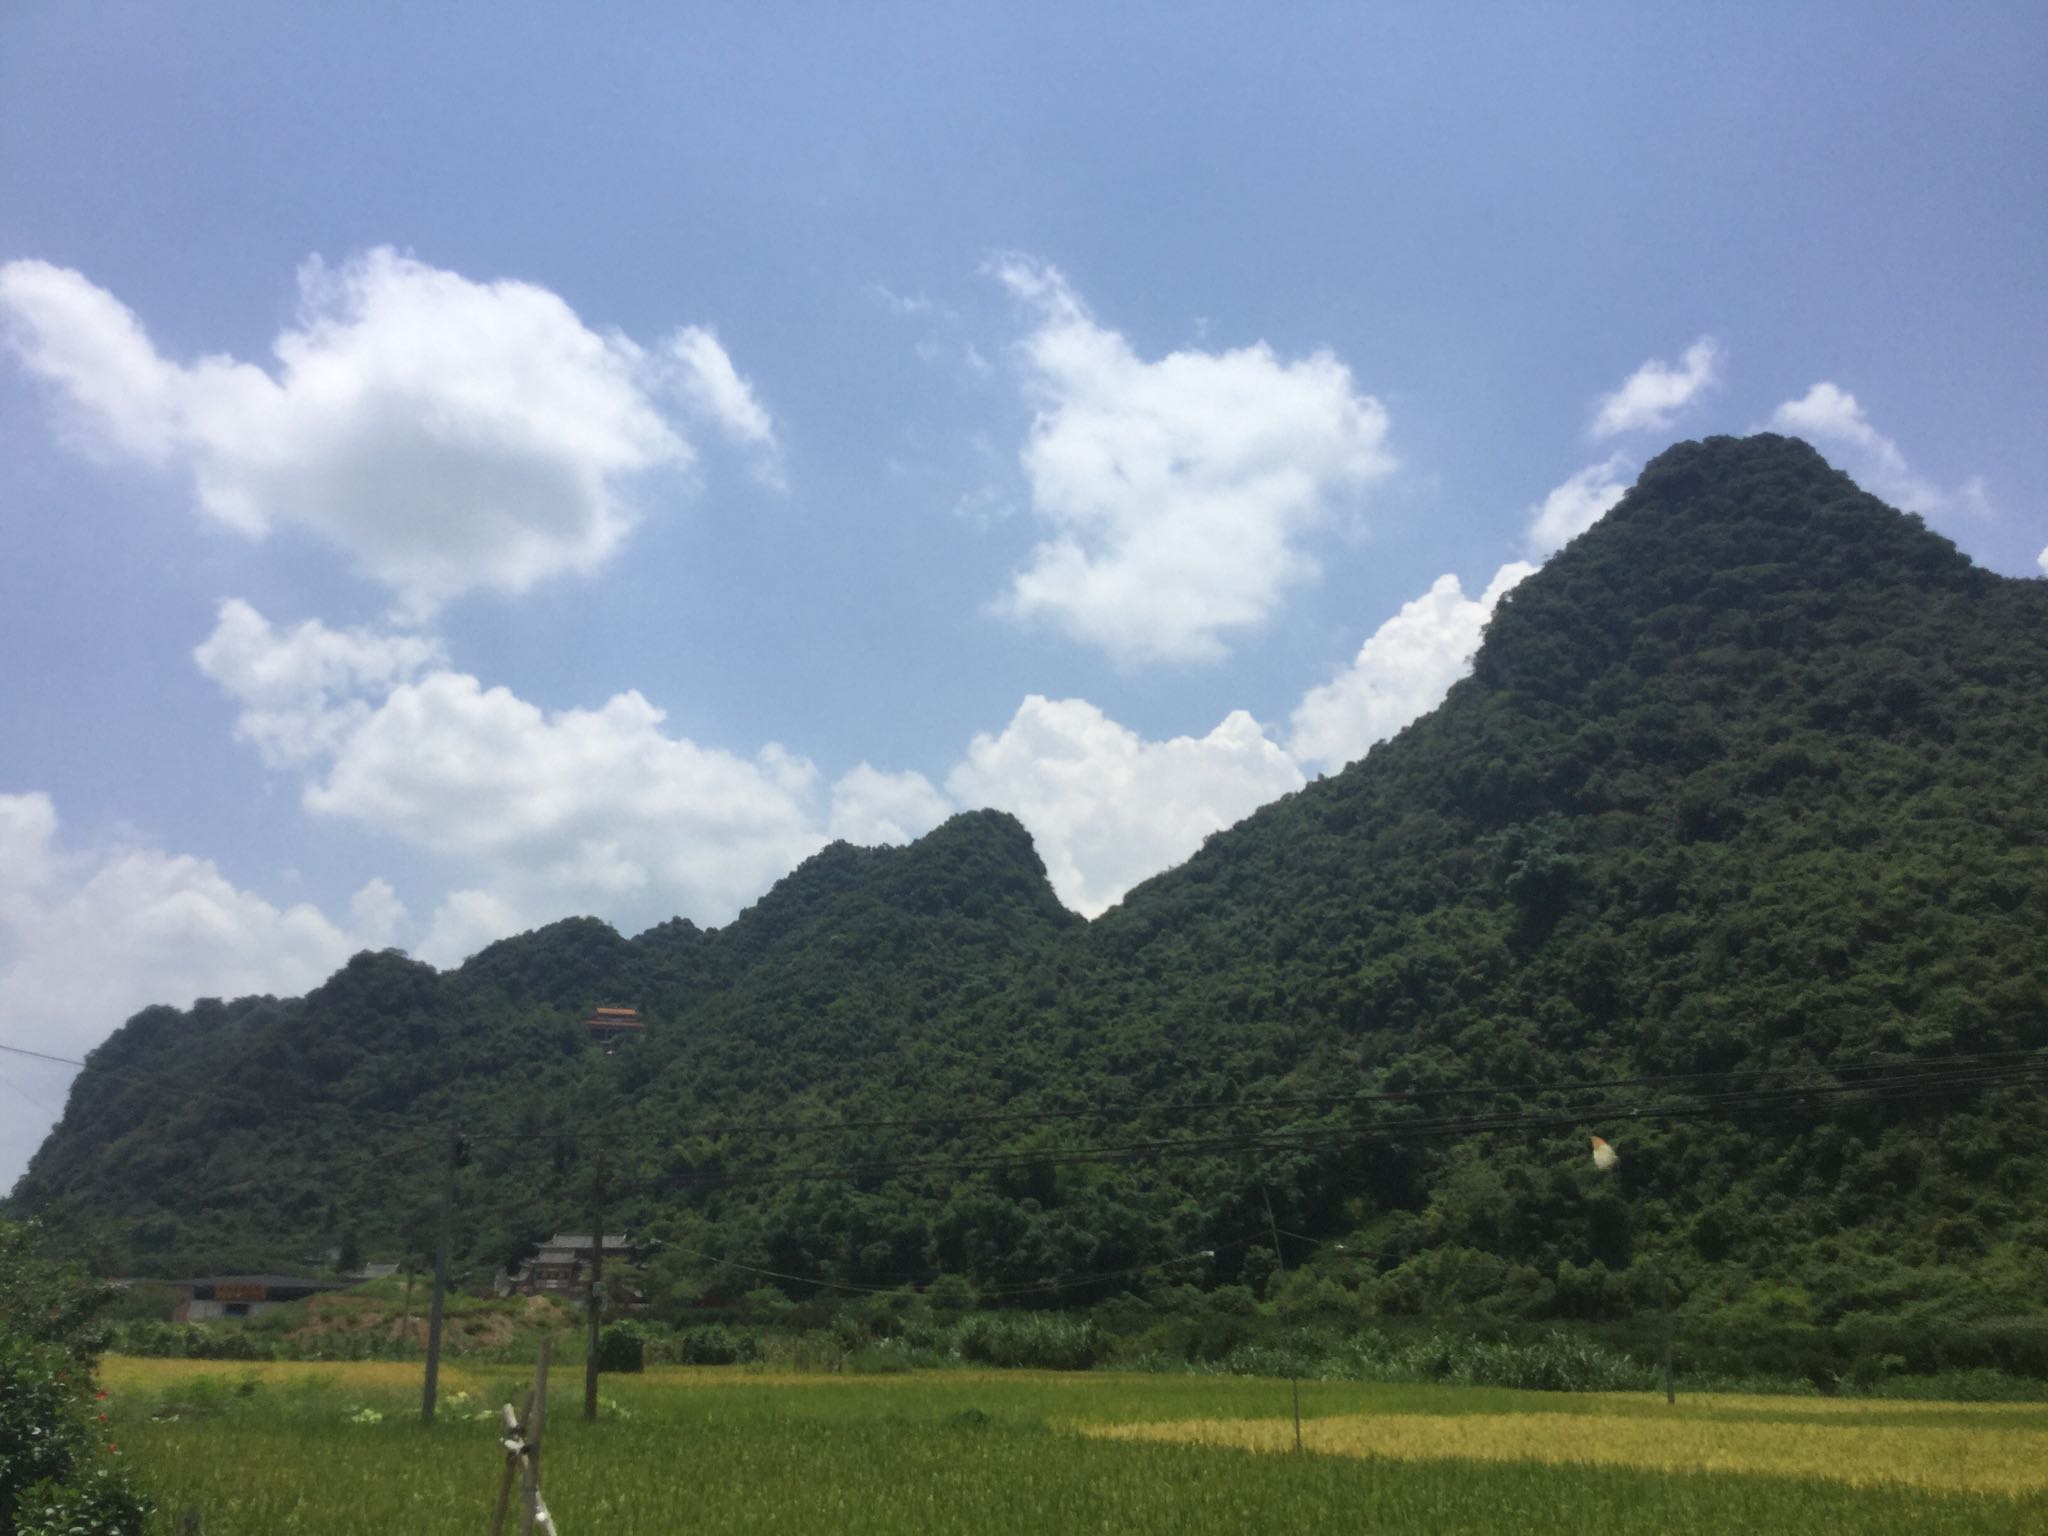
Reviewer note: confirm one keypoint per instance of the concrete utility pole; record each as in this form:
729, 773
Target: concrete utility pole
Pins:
1670, 1325
456, 1154
596, 1292
405, 1316
1280, 1265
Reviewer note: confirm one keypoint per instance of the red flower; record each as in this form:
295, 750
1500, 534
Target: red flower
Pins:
98, 1395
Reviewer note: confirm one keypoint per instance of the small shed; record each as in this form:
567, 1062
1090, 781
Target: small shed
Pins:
218, 1296
608, 1026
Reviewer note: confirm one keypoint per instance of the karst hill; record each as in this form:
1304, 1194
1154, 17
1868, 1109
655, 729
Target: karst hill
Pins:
1744, 804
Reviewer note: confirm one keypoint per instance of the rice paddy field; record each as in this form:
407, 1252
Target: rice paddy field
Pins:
269, 1448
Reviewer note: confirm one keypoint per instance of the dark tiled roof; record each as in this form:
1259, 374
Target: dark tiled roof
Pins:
269, 1282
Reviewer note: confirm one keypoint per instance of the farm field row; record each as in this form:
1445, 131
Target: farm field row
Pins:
321, 1449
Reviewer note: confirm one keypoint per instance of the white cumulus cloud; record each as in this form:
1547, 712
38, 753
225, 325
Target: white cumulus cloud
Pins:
1576, 505
1176, 492
542, 813
2043, 562
1651, 397
1401, 673
444, 434
599, 802
301, 692
1108, 808
375, 915
1829, 416
28, 832
604, 810
870, 807
714, 387
545, 812
92, 935
466, 921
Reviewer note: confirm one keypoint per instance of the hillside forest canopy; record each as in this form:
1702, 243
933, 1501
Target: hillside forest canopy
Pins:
1745, 799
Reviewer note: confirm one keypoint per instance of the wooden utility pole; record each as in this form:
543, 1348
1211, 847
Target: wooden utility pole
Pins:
433, 1382
596, 1292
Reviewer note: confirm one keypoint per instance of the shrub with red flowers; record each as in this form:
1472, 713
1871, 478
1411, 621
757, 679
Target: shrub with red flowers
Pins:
58, 1472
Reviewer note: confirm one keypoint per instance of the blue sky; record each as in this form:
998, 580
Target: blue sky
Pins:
462, 467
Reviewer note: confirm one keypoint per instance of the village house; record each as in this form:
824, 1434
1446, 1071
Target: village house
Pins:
562, 1267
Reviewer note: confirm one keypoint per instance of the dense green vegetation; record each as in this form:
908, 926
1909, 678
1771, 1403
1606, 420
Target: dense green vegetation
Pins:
1751, 781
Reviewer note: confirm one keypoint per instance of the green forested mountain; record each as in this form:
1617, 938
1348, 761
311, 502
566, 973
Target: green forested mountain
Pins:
1748, 787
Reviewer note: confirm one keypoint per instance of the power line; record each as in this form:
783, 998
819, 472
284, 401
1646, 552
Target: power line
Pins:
1175, 1108
271, 1111
1290, 1101
1889, 1089
1317, 1139
1881, 1082
1038, 1288
1897, 1088
18, 1050
1849, 1078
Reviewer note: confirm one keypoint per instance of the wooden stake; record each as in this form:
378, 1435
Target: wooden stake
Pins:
514, 1441
536, 1421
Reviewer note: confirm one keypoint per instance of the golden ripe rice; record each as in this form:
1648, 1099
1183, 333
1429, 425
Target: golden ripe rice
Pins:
1987, 1459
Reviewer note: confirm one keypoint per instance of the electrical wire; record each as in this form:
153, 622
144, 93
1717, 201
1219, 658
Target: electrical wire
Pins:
1173, 1108
1895, 1089
1981, 1069
1038, 1288
271, 1111
1880, 1082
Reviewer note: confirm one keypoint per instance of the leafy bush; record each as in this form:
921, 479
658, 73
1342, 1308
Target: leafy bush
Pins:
1265, 1360
1038, 1340
55, 1472
192, 1341
621, 1350
1557, 1362
101, 1503
714, 1344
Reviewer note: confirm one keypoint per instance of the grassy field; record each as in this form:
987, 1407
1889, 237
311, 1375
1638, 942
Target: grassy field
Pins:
276, 1447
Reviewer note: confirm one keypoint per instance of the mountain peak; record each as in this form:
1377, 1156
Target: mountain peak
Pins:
1745, 501
1739, 542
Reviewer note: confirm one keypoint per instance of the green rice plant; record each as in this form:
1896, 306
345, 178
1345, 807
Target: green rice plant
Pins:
731, 1450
